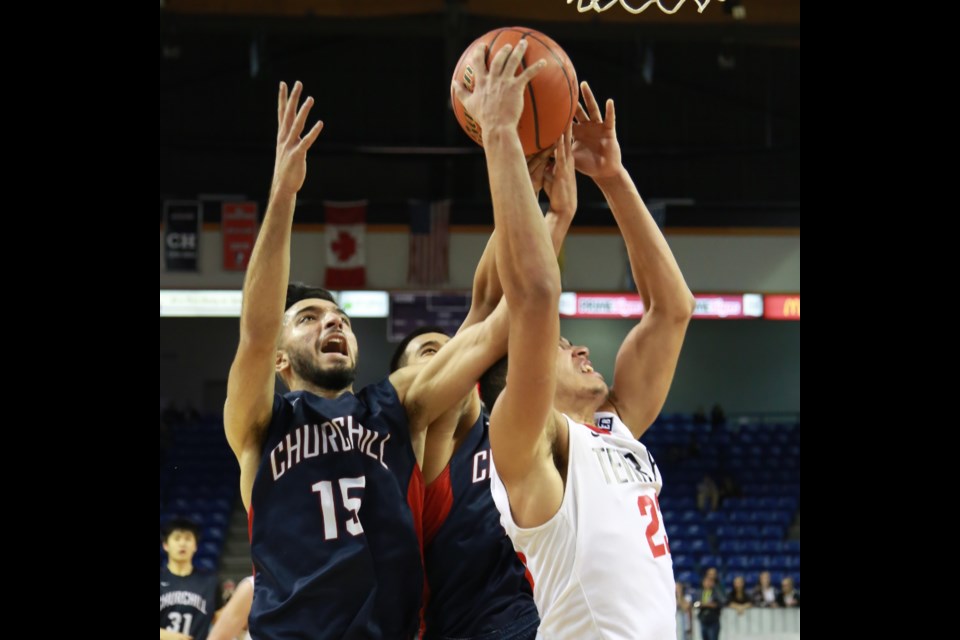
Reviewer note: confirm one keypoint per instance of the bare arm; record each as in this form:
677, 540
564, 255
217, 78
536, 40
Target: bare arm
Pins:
166, 634
453, 372
487, 290
234, 615
647, 359
250, 385
526, 264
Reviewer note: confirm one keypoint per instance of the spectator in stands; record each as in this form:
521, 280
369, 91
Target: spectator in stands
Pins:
232, 619
708, 495
713, 573
739, 599
729, 488
708, 607
700, 415
227, 587
765, 594
717, 417
788, 596
685, 609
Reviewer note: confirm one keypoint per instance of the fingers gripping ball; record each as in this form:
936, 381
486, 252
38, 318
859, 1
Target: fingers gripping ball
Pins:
550, 100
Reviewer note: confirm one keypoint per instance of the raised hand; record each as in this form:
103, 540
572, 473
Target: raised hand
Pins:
290, 168
536, 165
595, 147
560, 178
497, 96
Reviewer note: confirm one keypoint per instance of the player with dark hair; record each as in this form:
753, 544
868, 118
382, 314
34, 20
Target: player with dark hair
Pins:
188, 598
478, 587
576, 490
330, 477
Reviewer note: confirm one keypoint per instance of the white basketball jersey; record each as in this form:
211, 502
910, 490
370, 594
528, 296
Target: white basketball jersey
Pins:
601, 565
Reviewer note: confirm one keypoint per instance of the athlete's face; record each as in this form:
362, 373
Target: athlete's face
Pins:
180, 545
423, 347
318, 344
575, 374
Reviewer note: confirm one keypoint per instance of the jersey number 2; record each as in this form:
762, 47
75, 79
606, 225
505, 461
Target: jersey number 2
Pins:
648, 505
350, 503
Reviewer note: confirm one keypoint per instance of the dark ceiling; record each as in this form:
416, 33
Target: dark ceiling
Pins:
708, 107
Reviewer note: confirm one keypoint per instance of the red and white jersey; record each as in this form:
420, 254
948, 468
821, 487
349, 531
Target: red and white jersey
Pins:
601, 565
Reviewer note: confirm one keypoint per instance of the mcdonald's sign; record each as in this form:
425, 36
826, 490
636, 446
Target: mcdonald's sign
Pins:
781, 307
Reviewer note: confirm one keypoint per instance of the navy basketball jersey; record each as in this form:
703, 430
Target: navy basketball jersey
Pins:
333, 539
476, 582
187, 603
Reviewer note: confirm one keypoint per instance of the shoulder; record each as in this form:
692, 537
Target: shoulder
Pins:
384, 389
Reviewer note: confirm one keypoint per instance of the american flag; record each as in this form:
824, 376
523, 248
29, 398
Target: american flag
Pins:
429, 243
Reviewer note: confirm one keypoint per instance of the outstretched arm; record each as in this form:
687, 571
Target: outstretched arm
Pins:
526, 264
647, 358
561, 190
234, 615
250, 385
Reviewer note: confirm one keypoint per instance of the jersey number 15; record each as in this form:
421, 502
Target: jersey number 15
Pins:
350, 502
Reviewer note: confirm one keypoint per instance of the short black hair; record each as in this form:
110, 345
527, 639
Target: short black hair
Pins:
297, 291
180, 524
492, 382
419, 331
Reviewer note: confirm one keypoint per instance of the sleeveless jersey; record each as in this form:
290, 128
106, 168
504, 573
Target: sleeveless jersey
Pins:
187, 603
601, 564
335, 544
476, 582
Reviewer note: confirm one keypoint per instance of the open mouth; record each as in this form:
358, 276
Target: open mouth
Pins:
334, 343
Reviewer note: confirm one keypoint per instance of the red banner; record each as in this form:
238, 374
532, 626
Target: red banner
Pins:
781, 307
346, 233
238, 226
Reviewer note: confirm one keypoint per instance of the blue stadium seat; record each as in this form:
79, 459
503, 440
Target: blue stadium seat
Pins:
770, 546
679, 546
710, 561
772, 532
688, 578
698, 546
738, 563
730, 547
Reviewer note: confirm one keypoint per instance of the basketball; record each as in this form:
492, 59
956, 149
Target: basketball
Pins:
550, 99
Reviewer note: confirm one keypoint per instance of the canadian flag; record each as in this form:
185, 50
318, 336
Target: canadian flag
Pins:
346, 231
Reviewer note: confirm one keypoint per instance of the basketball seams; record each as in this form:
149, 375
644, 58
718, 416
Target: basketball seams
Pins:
563, 68
550, 86
533, 105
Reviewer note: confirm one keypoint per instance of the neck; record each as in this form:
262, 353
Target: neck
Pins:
329, 394
579, 411
178, 568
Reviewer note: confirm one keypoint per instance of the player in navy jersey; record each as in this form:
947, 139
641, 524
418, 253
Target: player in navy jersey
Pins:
188, 598
476, 583
330, 478
477, 586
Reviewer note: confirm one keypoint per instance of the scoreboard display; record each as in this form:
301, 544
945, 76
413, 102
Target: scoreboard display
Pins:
410, 310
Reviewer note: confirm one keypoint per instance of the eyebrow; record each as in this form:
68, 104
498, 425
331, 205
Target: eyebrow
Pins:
430, 343
318, 309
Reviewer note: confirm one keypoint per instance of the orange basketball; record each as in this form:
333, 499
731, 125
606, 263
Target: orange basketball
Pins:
551, 97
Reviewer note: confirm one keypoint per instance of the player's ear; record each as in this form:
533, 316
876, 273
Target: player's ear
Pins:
282, 361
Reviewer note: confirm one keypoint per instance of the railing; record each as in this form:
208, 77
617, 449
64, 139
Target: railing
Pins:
752, 624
